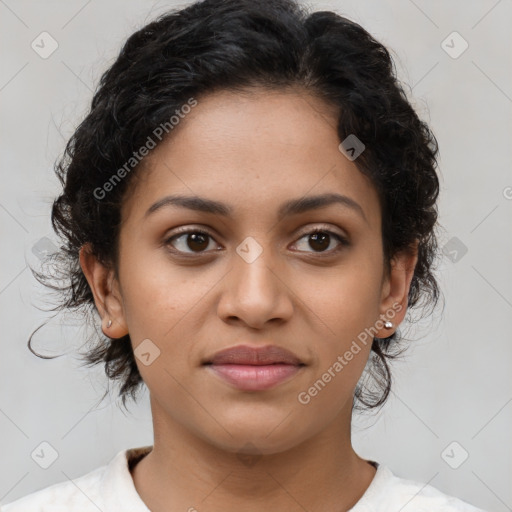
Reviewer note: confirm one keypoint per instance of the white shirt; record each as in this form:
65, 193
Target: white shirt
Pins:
110, 488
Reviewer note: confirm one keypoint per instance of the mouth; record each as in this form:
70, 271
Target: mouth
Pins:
254, 368
255, 377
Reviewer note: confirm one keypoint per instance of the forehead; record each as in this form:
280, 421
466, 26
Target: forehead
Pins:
257, 148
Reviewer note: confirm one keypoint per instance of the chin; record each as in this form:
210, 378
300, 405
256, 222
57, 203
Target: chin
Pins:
263, 438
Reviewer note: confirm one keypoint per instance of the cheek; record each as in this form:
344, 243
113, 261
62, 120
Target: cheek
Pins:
156, 296
344, 300
343, 308
166, 304
340, 307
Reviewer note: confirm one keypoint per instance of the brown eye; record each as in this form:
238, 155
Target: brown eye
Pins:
193, 241
321, 239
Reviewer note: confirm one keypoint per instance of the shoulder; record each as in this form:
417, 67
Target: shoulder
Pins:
82, 494
389, 492
109, 487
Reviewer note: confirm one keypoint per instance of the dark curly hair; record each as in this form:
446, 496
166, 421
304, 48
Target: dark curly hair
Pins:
215, 45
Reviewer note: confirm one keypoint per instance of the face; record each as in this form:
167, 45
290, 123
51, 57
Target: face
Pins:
194, 282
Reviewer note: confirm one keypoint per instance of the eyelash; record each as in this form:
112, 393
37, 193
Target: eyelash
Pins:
343, 241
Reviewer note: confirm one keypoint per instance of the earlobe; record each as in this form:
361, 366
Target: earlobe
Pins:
395, 294
105, 290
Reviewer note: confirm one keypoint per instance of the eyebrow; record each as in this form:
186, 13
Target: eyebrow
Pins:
291, 207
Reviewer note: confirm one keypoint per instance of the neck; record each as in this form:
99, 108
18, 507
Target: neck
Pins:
183, 471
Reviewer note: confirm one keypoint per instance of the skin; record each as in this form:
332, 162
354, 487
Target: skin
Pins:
252, 151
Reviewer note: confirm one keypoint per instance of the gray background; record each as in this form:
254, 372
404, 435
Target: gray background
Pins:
454, 384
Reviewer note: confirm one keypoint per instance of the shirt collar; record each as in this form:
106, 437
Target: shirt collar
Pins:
117, 488
119, 492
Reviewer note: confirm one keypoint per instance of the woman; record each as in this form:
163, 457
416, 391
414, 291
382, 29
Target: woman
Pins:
250, 207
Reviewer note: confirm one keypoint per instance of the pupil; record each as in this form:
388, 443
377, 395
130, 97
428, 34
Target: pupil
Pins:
197, 238
320, 238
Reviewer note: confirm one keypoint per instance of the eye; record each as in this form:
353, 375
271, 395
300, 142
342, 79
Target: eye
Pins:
196, 240
321, 239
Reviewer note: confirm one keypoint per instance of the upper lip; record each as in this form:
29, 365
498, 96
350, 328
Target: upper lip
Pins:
245, 354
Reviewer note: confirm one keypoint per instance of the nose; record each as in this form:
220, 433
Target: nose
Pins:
255, 293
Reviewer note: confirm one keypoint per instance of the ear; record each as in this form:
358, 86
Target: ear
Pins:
395, 289
105, 290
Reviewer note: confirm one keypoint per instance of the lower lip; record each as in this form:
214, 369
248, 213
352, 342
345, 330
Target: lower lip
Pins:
255, 378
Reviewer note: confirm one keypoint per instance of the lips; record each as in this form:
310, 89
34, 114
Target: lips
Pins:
254, 369
256, 356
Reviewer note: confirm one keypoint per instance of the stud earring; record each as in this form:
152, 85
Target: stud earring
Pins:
109, 323
388, 324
